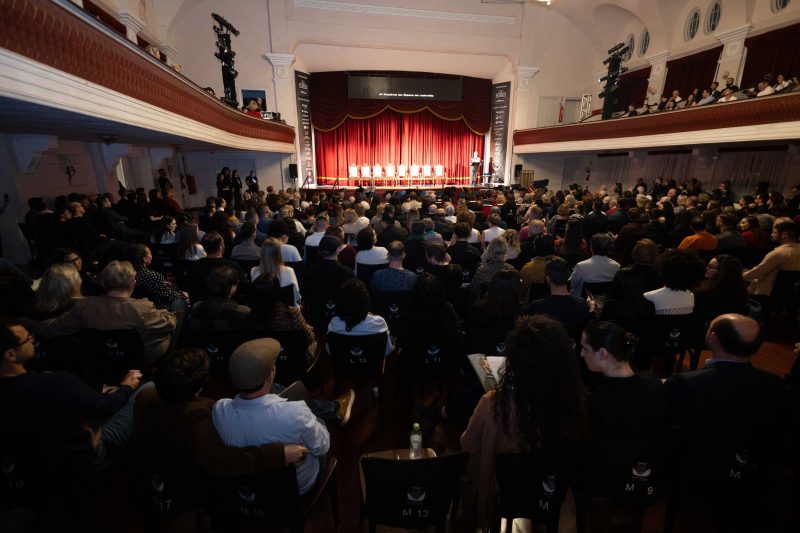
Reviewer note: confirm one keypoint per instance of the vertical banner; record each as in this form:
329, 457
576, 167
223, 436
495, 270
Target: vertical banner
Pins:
501, 94
306, 161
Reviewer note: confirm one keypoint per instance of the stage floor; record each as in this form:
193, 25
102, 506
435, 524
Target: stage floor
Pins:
461, 183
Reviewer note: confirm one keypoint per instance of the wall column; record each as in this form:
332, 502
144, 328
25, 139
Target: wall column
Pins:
133, 25
283, 81
658, 76
525, 104
731, 61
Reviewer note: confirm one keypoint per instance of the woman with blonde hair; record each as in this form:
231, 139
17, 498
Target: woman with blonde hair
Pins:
512, 239
271, 267
59, 287
351, 225
492, 262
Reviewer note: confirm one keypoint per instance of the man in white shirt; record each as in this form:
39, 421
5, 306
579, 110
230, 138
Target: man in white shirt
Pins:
598, 268
785, 257
727, 96
320, 226
764, 89
258, 416
493, 231
279, 230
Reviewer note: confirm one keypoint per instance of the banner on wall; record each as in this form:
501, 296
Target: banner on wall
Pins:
501, 98
302, 84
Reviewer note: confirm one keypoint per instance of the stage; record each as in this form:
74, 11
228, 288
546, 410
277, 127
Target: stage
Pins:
383, 184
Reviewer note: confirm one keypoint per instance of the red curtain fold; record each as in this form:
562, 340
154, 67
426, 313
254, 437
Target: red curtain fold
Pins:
692, 72
633, 88
397, 138
330, 105
775, 52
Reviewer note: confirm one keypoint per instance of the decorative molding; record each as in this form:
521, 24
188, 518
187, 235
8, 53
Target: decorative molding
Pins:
280, 64
772, 118
25, 80
524, 75
660, 57
735, 34
404, 12
168, 50
132, 23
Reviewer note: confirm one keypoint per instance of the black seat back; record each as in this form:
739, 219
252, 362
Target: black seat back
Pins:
490, 341
365, 272
299, 269
110, 354
322, 306
411, 494
292, 363
390, 305
358, 356
786, 290
286, 295
268, 498
428, 356
533, 485
312, 255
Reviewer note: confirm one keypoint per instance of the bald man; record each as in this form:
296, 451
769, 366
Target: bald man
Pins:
727, 411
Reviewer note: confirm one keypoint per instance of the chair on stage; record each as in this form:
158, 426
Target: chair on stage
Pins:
402, 174
365, 174
377, 174
390, 174
427, 174
352, 174
438, 172
414, 174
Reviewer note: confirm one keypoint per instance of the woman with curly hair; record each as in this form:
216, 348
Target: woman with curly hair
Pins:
538, 405
353, 316
724, 290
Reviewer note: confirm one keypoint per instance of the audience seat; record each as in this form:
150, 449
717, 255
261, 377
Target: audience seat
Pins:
365, 272
322, 308
390, 305
272, 499
299, 268
414, 494
292, 364
312, 255
110, 354
359, 357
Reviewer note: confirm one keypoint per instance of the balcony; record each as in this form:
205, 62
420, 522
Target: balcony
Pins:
64, 73
772, 118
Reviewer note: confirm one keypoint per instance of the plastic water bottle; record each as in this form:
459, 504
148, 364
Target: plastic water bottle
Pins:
416, 442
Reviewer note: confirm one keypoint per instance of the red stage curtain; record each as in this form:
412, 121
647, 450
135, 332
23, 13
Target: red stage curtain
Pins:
633, 88
776, 52
330, 105
391, 137
692, 72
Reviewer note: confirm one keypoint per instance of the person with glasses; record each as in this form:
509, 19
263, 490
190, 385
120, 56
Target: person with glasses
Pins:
60, 403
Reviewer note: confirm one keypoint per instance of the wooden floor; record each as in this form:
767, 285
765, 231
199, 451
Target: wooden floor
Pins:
366, 432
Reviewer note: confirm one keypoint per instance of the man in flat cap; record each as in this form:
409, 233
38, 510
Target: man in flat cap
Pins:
257, 415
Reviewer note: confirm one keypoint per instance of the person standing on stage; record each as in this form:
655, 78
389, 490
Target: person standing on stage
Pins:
475, 164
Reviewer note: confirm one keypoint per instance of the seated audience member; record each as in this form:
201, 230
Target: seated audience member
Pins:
493, 231
728, 238
170, 205
395, 278
320, 227
368, 253
727, 96
58, 289
219, 313
680, 271
723, 291
493, 262
781, 83
271, 267
353, 316
153, 283
270, 315
631, 112
625, 303
390, 230
539, 357
764, 89
626, 412
499, 308
573, 244
247, 249
347, 254
728, 405
80, 419
427, 306
571, 311
174, 416
165, 231
116, 310
189, 247
533, 272
415, 248
461, 252
596, 221
514, 244
329, 273
785, 257
754, 235
629, 234
279, 229
707, 98
450, 275
598, 268
197, 271
258, 416
352, 223
701, 240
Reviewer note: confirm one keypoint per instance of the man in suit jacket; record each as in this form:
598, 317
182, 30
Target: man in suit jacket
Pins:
728, 411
